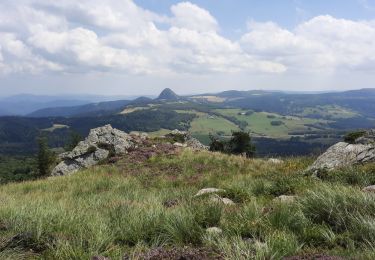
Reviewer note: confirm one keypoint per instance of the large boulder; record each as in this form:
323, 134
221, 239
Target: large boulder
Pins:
343, 154
100, 143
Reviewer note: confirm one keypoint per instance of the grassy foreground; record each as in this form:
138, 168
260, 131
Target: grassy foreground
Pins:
129, 208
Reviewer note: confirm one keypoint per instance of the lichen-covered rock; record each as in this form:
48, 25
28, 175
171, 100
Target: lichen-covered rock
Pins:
342, 155
96, 147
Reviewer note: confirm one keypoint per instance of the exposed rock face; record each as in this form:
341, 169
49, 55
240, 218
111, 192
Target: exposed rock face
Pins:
367, 138
97, 146
343, 154
104, 142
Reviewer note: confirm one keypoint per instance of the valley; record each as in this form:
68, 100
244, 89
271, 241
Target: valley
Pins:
308, 122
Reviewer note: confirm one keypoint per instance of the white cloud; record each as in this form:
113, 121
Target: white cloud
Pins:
321, 43
115, 36
190, 16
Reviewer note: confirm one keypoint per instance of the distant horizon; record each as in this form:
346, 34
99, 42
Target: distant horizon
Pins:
88, 95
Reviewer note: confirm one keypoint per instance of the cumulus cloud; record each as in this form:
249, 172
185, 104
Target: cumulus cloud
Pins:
321, 43
190, 16
121, 37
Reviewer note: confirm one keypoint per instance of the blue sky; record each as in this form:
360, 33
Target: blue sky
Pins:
135, 47
233, 14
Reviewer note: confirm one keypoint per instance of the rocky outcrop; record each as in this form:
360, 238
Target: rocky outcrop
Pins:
101, 143
343, 154
184, 139
104, 142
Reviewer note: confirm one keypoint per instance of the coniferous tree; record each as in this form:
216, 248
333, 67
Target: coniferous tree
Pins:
46, 157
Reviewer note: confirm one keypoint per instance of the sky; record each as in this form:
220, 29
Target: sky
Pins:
126, 47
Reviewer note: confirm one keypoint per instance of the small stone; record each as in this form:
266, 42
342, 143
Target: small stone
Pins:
208, 191
370, 189
225, 201
214, 230
285, 198
275, 161
178, 144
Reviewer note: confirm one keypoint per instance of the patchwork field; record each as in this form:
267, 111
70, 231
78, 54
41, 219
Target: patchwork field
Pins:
261, 122
328, 111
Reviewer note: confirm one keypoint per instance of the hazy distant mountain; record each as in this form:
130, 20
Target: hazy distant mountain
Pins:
168, 94
25, 104
93, 109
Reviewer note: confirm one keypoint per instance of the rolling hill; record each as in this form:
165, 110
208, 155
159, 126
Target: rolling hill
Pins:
280, 123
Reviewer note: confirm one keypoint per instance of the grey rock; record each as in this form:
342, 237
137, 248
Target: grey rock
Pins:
188, 140
225, 201
370, 189
208, 191
343, 155
195, 144
179, 134
367, 138
94, 149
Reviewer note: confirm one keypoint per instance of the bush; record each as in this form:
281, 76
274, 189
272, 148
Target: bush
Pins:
217, 145
351, 137
91, 149
240, 143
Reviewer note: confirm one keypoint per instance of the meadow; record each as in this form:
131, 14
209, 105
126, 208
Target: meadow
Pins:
135, 206
261, 122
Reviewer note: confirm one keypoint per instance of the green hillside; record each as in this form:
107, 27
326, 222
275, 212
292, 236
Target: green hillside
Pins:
140, 208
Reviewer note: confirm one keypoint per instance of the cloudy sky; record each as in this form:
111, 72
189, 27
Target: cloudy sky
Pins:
132, 47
